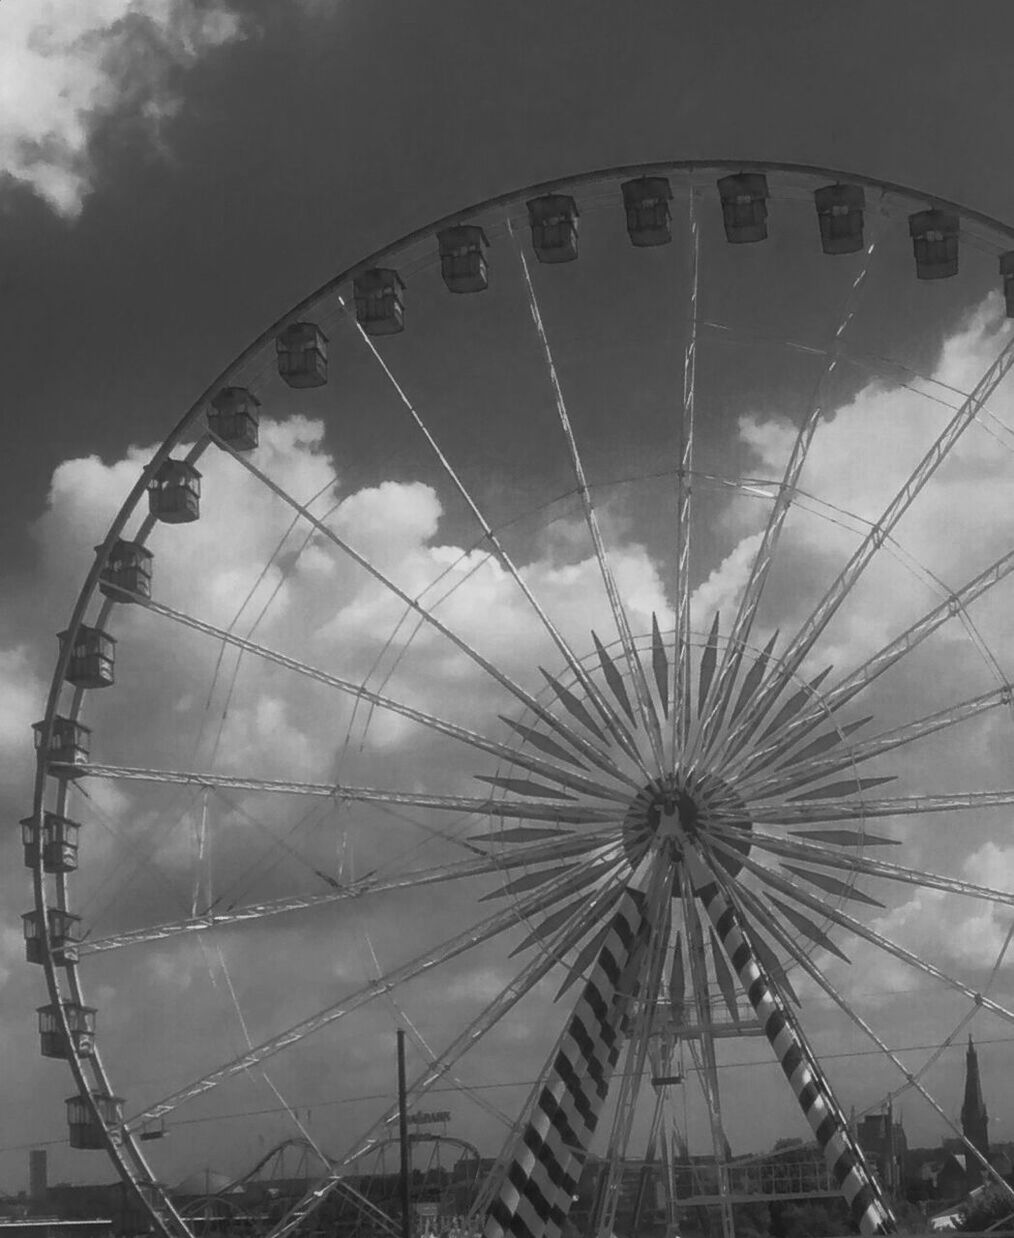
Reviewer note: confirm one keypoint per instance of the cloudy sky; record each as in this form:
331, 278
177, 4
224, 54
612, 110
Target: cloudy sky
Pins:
176, 175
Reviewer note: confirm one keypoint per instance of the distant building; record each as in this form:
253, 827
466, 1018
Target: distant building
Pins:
974, 1119
37, 1176
952, 1176
883, 1140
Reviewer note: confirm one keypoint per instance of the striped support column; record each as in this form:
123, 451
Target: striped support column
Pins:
870, 1210
541, 1179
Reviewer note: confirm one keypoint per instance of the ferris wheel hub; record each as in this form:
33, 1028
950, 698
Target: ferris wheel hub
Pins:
676, 809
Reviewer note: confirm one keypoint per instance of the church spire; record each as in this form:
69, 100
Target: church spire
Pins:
973, 1110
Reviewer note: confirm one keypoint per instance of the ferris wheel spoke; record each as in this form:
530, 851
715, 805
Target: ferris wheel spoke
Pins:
842, 1153
536, 809
707, 1072
646, 708
612, 721
569, 923
801, 923
829, 911
586, 915
485, 930
799, 770
831, 790
746, 613
706, 670
753, 912
521, 985
557, 852
815, 624
642, 1033
810, 852
748, 690
815, 810
786, 730
577, 742
680, 721
869, 363
566, 777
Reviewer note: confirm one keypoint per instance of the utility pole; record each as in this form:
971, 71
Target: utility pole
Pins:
406, 1220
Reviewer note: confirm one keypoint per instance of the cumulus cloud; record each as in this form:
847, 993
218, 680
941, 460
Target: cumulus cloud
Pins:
65, 65
20, 703
861, 454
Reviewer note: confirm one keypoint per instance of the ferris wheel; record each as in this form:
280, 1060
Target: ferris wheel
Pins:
585, 643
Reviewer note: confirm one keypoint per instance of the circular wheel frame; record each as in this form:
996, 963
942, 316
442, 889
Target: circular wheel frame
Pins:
709, 712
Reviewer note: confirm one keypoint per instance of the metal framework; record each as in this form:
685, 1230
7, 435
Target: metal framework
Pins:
674, 821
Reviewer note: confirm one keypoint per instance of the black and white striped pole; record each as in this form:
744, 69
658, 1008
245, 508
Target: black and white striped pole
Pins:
845, 1160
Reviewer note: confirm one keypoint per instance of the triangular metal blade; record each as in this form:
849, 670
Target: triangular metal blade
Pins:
807, 927
588, 954
530, 881
832, 885
845, 838
520, 834
795, 703
549, 926
542, 742
572, 705
772, 964
707, 669
660, 664
752, 911
818, 746
726, 985
753, 677
823, 742
852, 786
524, 786
677, 976
613, 678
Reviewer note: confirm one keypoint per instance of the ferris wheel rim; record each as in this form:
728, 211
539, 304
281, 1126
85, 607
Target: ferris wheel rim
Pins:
609, 173
186, 422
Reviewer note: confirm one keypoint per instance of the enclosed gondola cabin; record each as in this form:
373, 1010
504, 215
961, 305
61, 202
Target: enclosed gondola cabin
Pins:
302, 355
554, 222
63, 935
29, 841
646, 202
840, 216
934, 243
81, 1023
59, 843
462, 258
69, 745
1007, 271
744, 207
127, 572
233, 418
174, 493
88, 1131
380, 306
91, 658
